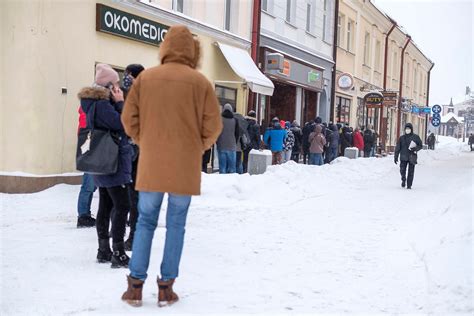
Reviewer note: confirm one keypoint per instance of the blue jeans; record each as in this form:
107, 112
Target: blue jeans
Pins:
85, 195
149, 204
316, 159
227, 161
332, 152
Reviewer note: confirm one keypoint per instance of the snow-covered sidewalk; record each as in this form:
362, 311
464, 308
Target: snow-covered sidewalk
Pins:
341, 238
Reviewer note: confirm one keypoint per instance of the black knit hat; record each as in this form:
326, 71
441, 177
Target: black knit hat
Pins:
252, 114
134, 69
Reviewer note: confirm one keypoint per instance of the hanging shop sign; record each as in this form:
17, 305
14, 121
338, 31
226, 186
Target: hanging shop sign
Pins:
293, 71
345, 81
373, 100
390, 99
123, 24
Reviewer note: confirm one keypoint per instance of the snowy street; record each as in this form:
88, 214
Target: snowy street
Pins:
341, 238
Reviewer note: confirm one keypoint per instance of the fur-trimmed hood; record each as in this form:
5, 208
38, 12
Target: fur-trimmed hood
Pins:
95, 93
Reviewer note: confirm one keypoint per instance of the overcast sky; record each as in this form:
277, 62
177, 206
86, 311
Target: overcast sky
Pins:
443, 30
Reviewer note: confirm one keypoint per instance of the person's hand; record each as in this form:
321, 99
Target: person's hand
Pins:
395, 160
117, 94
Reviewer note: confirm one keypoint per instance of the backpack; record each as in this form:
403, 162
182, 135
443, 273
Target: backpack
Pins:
245, 141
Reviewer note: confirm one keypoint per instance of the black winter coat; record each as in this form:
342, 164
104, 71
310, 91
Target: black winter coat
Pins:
368, 140
253, 129
298, 138
307, 129
107, 117
403, 144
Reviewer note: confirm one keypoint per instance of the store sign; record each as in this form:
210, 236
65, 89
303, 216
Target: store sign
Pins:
425, 110
345, 81
373, 100
313, 76
415, 109
390, 99
123, 24
294, 71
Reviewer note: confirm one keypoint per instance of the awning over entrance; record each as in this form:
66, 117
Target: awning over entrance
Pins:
243, 65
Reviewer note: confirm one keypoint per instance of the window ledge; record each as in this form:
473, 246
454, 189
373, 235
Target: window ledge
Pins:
346, 51
366, 66
291, 24
269, 14
325, 41
378, 72
311, 34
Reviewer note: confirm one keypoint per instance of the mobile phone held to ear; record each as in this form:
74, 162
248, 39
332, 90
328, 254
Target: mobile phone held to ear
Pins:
110, 86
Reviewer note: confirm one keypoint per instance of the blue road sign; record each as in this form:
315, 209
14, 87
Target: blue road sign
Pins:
437, 109
435, 122
426, 110
437, 116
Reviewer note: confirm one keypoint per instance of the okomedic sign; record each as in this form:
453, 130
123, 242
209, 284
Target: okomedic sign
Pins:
120, 23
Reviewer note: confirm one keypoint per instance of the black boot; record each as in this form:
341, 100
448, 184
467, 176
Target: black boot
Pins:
85, 221
403, 183
104, 254
119, 257
128, 243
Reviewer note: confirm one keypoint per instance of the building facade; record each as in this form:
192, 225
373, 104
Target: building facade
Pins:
47, 60
296, 49
374, 54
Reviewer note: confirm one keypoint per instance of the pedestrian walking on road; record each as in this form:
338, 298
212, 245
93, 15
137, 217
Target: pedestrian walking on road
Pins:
407, 149
471, 140
170, 158
103, 103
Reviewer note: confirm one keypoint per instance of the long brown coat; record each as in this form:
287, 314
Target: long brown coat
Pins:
172, 113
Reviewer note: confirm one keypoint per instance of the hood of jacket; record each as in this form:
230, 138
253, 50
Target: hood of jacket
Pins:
410, 126
94, 93
318, 129
180, 46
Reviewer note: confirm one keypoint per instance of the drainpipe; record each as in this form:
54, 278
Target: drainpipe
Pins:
257, 13
383, 131
334, 57
428, 99
400, 90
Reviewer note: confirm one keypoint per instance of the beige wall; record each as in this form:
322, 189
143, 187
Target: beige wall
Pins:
47, 45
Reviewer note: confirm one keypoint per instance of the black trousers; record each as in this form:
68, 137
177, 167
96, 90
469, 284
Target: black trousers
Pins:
133, 215
246, 160
295, 157
403, 172
116, 198
206, 158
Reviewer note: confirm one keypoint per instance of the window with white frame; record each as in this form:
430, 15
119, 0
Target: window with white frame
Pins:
265, 5
377, 55
395, 65
308, 17
340, 29
228, 16
366, 48
290, 11
325, 21
178, 5
349, 34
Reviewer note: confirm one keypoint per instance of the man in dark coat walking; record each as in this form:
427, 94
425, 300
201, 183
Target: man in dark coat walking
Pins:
407, 148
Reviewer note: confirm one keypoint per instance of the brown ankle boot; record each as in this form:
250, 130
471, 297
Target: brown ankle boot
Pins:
133, 295
166, 296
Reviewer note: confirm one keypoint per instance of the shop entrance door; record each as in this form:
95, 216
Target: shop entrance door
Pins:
283, 102
310, 104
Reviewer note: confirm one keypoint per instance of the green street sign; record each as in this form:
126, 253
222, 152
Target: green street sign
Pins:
123, 24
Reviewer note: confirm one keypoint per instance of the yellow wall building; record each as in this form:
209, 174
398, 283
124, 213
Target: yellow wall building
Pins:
362, 37
49, 51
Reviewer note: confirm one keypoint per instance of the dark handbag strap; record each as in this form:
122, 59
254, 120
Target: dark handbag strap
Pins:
90, 116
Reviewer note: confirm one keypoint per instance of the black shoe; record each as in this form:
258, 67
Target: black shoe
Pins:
85, 221
403, 184
119, 257
128, 244
409, 187
104, 254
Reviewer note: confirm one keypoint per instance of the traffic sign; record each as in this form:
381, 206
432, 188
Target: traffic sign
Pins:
436, 109
437, 116
435, 122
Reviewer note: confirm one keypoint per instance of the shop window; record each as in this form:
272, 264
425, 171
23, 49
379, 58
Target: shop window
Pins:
226, 95
178, 5
343, 110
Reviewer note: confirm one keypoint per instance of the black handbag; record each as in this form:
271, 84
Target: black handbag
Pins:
97, 149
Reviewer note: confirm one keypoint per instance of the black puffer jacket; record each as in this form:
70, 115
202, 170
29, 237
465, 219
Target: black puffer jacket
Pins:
402, 150
253, 129
298, 138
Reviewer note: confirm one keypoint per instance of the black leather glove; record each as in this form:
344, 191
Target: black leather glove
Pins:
395, 160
